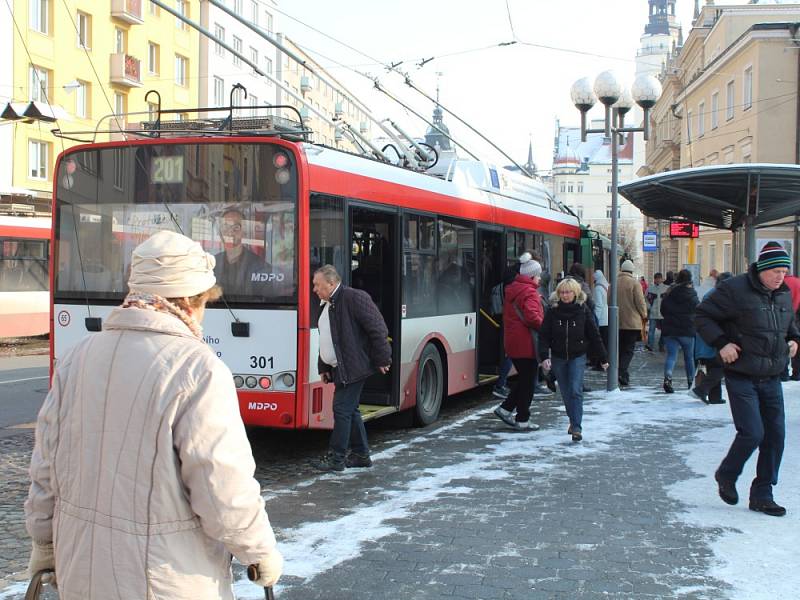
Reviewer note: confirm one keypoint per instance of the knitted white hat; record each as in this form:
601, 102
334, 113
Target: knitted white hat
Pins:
530, 268
172, 266
627, 265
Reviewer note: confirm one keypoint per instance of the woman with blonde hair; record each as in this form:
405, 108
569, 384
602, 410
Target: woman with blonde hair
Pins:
568, 331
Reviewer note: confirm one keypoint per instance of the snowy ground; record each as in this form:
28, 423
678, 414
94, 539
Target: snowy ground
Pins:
756, 554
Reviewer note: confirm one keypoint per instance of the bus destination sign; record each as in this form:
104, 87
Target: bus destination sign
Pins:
683, 229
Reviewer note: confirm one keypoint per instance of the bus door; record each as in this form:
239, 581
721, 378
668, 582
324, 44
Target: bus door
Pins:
374, 268
489, 274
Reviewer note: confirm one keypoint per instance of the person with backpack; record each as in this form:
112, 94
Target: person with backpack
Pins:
501, 389
522, 316
568, 332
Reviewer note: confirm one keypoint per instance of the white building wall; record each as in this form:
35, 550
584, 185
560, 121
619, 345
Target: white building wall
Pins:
220, 65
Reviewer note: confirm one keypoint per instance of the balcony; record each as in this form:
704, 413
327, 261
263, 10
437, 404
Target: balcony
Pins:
126, 70
129, 11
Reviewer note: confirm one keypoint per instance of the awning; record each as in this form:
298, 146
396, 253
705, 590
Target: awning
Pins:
34, 111
719, 196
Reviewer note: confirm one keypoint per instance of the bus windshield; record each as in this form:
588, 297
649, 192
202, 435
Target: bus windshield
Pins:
238, 200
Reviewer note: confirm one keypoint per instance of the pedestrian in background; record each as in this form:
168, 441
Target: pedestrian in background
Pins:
353, 344
643, 283
142, 475
632, 313
677, 328
600, 295
654, 294
568, 332
522, 316
708, 379
749, 320
793, 283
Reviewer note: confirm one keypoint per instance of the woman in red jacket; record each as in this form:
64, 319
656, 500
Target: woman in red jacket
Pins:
522, 315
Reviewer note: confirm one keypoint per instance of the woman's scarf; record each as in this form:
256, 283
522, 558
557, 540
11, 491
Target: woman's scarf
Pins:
162, 305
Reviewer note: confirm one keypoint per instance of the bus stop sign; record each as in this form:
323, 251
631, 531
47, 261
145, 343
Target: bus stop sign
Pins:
649, 241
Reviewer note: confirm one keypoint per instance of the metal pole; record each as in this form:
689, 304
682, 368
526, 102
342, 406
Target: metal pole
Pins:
613, 321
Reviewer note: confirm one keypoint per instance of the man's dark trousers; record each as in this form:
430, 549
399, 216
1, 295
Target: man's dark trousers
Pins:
757, 409
627, 344
348, 428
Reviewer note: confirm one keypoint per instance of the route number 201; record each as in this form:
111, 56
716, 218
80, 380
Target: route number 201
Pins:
261, 362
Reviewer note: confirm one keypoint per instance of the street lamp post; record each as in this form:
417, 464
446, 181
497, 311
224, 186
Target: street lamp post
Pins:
618, 101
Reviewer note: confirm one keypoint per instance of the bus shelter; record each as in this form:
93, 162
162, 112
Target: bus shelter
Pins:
740, 198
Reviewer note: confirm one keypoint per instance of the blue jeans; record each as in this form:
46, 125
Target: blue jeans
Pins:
651, 333
505, 367
348, 428
672, 343
569, 374
757, 409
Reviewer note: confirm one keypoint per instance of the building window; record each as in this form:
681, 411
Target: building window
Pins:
701, 119
120, 41
689, 127
580, 187
237, 46
84, 30
270, 26
38, 154
152, 111
155, 10
579, 212
714, 110
39, 17
181, 70
608, 187
570, 187
712, 256
82, 100
39, 84
219, 91
219, 32
253, 56
237, 7
609, 211
726, 256
268, 66
563, 187
254, 12
153, 58
748, 88
730, 98
253, 104
119, 103
182, 7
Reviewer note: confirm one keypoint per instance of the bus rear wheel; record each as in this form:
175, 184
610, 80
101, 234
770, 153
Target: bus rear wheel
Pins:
430, 386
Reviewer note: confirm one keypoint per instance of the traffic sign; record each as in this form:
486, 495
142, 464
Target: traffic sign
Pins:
649, 241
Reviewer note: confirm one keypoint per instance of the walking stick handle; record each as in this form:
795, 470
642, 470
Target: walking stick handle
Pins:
253, 575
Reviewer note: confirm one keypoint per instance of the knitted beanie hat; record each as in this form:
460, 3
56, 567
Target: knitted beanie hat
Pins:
530, 268
772, 255
627, 266
172, 266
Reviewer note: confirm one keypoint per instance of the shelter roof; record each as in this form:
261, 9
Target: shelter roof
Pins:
719, 195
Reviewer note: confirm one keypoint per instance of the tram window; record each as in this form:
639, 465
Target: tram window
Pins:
418, 233
326, 239
23, 265
456, 274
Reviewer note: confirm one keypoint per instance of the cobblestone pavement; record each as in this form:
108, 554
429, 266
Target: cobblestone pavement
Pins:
456, 522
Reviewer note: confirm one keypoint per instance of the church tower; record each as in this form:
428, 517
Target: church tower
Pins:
661, 33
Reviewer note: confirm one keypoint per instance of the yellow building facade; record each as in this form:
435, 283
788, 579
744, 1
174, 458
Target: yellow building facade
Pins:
88, 60
730, 96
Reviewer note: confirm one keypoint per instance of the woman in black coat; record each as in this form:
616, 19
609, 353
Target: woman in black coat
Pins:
678, 306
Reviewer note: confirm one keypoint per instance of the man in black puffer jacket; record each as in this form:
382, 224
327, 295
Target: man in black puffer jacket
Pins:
353, 344
750, 322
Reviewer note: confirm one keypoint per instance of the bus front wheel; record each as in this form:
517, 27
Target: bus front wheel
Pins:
430, 386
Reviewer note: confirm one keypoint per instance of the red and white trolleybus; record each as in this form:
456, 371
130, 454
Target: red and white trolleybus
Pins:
272, 209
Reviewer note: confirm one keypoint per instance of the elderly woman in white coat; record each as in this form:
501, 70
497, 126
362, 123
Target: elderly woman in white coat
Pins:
141, 475
600, 296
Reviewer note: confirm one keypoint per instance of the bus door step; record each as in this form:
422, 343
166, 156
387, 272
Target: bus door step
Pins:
378, 398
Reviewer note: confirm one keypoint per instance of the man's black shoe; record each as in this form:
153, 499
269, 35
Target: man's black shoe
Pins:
358, 461
768, 507
329, 462
727, 490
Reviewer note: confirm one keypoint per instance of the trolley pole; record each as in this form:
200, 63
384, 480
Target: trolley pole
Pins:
617, 101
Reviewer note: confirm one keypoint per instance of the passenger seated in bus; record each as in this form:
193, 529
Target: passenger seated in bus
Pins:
239, 270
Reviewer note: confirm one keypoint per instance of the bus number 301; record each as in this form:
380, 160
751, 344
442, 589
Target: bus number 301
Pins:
261, 362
